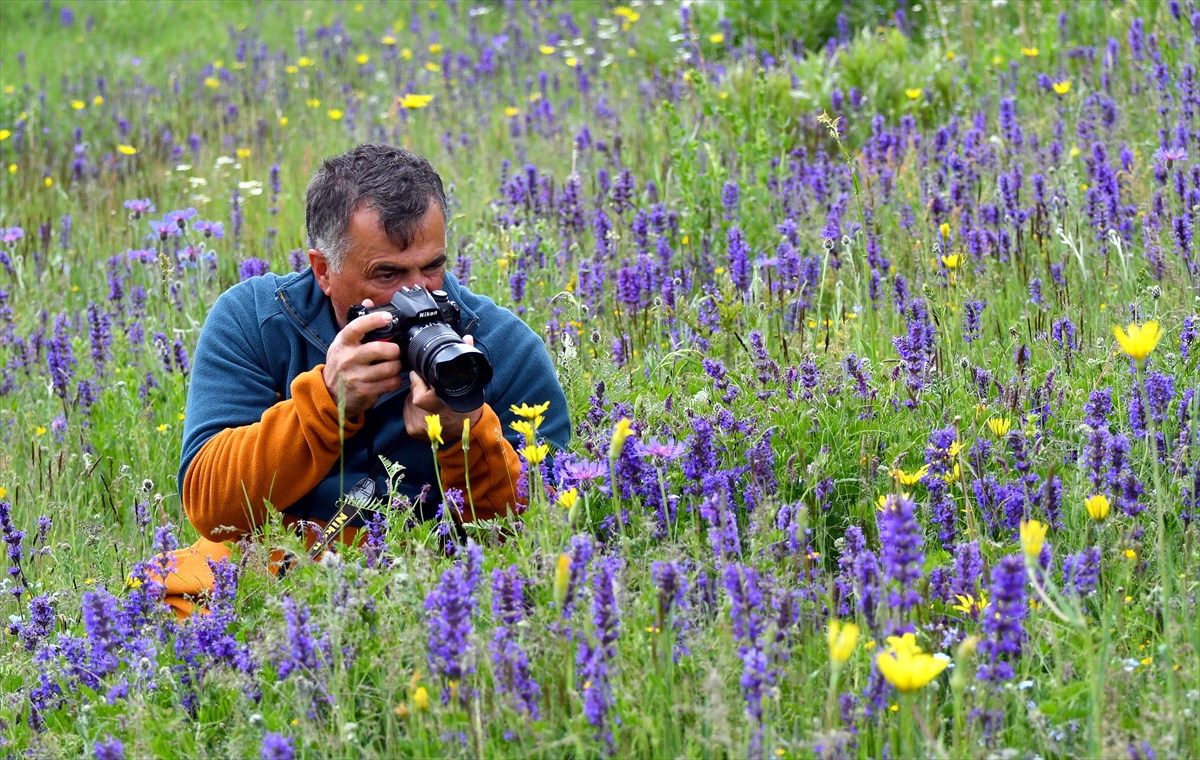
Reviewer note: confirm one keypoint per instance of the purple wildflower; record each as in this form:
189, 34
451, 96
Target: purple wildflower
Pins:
903, 550
1002, 620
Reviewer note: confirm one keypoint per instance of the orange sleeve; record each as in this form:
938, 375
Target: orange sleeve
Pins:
494, 469
280, 458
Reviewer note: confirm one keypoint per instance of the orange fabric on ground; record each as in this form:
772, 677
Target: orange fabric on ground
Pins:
279, 458
494, 469
261, 461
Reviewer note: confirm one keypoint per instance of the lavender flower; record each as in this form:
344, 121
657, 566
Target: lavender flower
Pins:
451, 606
749, 625
593, 658
509, 661
1002, 621
277, 747
109, 748
903, 550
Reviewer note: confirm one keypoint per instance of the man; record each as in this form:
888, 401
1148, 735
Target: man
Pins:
277, 355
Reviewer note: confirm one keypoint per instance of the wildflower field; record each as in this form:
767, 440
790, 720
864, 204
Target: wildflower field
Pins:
877, 323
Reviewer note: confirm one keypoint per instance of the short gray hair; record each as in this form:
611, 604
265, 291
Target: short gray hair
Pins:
395, 182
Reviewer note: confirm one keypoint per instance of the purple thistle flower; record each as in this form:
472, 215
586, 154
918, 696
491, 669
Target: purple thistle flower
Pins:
253, 267
667, 450
903, 550
1002, 621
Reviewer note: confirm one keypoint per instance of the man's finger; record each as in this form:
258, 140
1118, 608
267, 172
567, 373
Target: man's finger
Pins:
382, 371
354, 332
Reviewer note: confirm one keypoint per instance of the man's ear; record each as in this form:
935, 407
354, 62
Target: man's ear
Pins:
320, 267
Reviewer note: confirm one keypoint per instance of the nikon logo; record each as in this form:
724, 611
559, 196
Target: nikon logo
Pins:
427, 313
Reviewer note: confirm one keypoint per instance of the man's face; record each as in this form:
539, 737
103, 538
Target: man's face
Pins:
375, 268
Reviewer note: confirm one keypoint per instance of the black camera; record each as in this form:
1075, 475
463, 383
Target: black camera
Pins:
426, 325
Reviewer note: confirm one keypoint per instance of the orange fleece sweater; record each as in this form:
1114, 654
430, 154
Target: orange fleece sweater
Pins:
239, 470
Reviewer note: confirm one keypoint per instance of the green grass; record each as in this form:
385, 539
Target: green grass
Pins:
1115, 669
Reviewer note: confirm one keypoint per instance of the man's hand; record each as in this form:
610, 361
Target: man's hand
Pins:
364, 371
422, 400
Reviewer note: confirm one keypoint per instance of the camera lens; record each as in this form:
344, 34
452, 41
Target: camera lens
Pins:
456, 372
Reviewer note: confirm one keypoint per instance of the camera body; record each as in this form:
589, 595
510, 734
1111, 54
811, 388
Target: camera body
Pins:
427, 326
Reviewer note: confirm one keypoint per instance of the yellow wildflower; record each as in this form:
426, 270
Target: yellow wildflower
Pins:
362, 58
78, 105
421, 698
623, 430
567, 499
910, 478
562, 578
1062, 88
842, 639
717, 38
999, 426
434, 424
510, 111
334, 114
212, 83
388, 40
406, 54
952, 261
435, 48
1029, 52
304, 61
535, 454
126, 150
412, 101
906, 667
530, 412
914, 92
1097, 507
1139, 341
1033, 535
546, 49
431, 66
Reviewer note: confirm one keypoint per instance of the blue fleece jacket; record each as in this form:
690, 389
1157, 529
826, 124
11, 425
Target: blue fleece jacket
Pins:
265, 331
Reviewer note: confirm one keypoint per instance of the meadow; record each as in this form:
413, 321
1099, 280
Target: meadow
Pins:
878, 327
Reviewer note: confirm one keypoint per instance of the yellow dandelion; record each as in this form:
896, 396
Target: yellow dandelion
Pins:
511, 112
910, 478
914, 92
435, 48
717, 38
535, 454
406, 54
304, 62
572, 61
546, 49
999, 426
388, 40
567, 499
334, 113
5, 134
78, 105
1063, 87
362, 58
98, 100
212, 83
127, 150
529, 412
